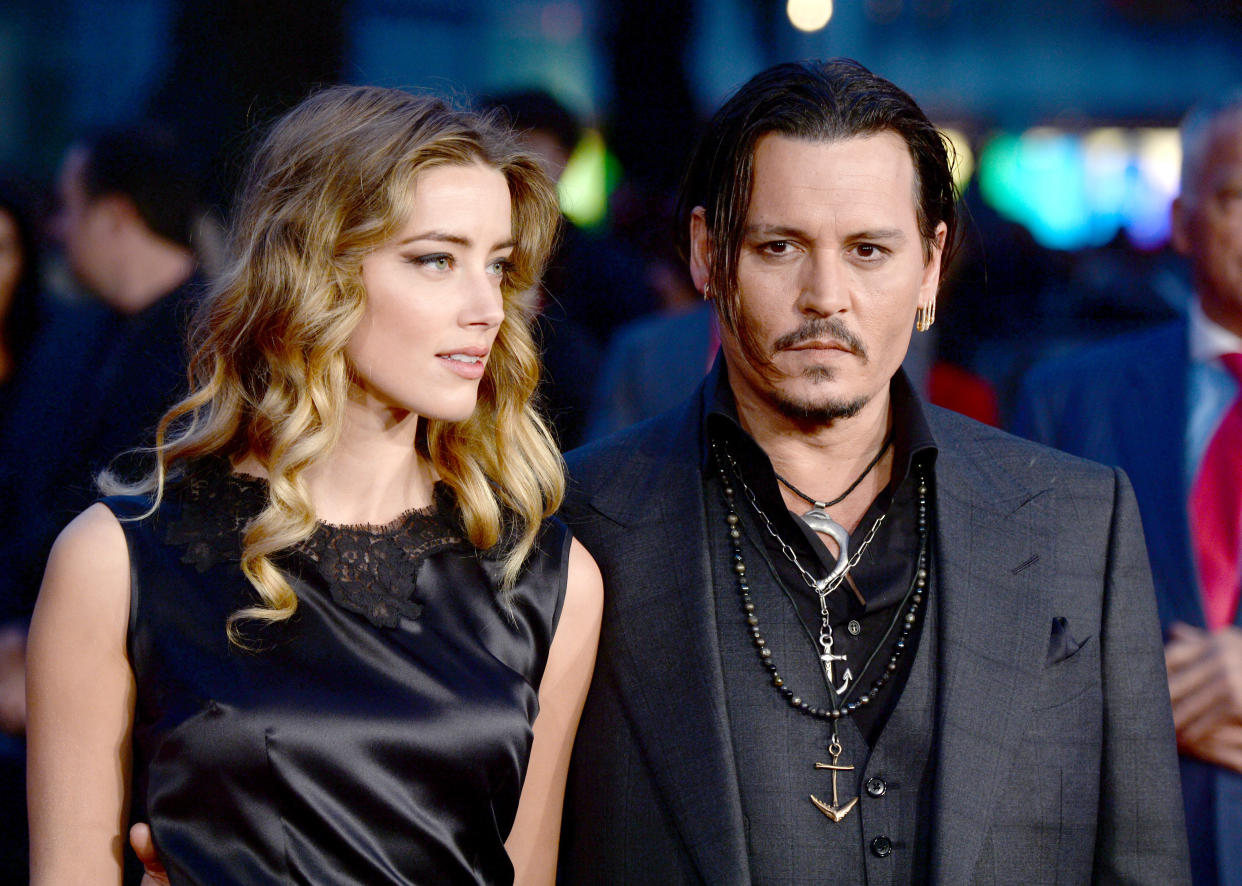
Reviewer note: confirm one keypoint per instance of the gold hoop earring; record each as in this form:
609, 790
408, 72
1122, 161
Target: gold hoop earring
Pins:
925, 316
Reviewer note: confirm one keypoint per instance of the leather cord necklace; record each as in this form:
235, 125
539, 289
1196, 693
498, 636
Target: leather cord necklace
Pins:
843, 701
821, 586
819, 520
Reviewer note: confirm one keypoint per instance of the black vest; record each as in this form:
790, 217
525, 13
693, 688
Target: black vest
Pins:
884, 838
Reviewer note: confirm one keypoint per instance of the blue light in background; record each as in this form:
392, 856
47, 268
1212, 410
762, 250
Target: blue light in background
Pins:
1075, 190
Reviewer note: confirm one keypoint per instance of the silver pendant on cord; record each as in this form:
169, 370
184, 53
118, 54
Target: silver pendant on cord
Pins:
819, 521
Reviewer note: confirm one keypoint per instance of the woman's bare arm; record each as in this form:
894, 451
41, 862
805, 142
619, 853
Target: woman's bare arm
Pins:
80, 699
535, 837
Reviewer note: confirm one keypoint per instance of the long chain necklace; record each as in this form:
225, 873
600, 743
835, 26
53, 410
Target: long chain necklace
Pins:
841, 704
821, 586
820, 521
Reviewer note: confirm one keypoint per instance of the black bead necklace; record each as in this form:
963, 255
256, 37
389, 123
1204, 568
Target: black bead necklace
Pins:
902, 624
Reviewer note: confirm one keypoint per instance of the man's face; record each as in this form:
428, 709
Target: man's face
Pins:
1207, 224
830, 273
81, 225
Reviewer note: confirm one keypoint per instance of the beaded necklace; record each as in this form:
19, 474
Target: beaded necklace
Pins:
841, 701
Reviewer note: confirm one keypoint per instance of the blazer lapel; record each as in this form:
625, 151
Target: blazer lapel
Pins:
991, 562
665, 651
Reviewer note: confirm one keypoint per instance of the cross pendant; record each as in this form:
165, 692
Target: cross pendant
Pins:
834, 812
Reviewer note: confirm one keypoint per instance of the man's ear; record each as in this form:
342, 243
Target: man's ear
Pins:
931, 270
116, 211
700, 250
1179, 225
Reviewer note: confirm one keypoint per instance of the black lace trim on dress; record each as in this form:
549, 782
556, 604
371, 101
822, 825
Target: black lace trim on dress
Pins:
369, 570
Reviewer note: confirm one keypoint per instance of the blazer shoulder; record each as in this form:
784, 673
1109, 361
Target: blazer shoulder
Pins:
968, 444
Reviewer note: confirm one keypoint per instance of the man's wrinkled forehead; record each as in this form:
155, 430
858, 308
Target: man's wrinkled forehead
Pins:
849, 185
1221, 162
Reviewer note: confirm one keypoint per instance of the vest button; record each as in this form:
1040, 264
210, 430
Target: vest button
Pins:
876, 787
881, 847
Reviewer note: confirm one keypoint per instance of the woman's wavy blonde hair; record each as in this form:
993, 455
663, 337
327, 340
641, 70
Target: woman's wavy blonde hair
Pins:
330, 183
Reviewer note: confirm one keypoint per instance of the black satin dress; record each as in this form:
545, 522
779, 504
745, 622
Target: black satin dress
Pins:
380, 736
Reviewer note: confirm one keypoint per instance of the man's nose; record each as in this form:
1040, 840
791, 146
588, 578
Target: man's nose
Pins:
824, 285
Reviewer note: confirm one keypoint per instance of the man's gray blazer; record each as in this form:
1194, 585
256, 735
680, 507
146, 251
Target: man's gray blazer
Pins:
1054, 753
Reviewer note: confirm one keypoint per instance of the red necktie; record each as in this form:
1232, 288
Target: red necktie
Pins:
1216, 512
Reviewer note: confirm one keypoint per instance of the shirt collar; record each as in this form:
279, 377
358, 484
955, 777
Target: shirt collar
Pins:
912, 436
1208, 339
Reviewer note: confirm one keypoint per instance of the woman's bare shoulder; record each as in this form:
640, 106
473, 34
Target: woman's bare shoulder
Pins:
88, 568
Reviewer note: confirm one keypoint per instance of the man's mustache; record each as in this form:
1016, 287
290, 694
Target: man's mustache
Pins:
822, 329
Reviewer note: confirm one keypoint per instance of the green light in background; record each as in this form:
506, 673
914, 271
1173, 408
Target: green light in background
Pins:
1077, 189
1036, 180
589, 177
1000, 175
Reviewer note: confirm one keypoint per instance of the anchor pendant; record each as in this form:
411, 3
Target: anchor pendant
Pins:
834, 812
848, 677
819, 521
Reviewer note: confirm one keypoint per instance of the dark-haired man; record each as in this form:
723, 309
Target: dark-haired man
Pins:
850, 637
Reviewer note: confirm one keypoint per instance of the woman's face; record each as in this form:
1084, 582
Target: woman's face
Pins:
11, 259
433, 296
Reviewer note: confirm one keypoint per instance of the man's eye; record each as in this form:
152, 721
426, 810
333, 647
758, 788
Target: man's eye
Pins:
1231, 198
868, 250
778, 247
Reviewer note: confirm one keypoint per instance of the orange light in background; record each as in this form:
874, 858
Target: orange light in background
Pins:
809, 15
962, 157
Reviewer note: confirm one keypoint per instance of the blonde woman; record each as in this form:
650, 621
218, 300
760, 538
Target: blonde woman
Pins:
335, 637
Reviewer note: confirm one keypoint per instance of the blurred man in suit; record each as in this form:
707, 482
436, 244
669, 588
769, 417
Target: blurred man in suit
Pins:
1164, 405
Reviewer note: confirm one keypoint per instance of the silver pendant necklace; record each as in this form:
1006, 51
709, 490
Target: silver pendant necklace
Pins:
821, 521
823, 587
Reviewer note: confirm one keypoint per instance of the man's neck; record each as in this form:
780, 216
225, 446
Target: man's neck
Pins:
824, 459
1225, 313
151, 271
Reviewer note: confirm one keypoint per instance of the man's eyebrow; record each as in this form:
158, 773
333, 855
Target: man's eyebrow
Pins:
456, 239
760, 230
879, 234
775, 231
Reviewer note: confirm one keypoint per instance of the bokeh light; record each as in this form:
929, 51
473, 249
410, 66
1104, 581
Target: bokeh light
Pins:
961, 156
1075, 190
585, 184
809, 15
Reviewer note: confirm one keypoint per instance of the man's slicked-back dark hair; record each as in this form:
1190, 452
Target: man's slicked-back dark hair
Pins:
147, 164
821, 101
